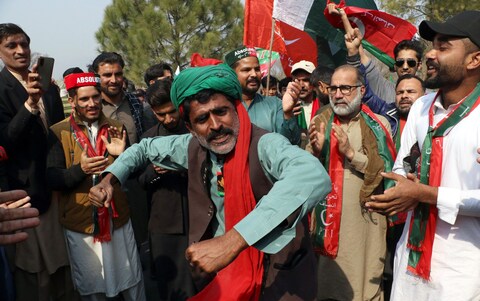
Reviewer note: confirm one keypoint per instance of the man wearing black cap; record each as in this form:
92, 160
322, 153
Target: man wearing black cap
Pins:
437, 256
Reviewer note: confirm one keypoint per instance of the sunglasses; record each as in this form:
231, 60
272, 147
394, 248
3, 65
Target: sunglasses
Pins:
410, 62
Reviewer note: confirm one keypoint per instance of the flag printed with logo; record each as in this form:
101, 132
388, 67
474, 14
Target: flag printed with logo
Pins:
381, 31
276, 68
291, 43
299, 26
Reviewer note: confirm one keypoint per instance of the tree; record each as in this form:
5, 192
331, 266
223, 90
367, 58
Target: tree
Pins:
433, 10
145, 32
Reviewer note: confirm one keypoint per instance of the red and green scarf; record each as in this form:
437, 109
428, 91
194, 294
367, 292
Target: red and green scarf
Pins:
302, 118
328, 213
101, 216
424, 219
241, 280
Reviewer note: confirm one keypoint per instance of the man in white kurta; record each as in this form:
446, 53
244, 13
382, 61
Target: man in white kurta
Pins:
454, 67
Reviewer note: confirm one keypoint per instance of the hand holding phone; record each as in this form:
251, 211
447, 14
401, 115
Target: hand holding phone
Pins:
45, 70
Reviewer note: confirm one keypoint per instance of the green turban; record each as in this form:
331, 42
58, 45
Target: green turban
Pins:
193, 80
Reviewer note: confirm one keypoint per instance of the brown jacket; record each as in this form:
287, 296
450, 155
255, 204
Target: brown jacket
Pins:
65, 174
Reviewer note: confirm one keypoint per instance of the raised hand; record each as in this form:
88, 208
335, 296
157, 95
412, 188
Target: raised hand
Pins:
344, 146
317, 138
33, 88
118, 141
290, 99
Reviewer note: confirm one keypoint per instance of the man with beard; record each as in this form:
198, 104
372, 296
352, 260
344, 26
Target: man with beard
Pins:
437, 256
117, 104
355, 146
249, 193
26, 112
104, 261
408, 89
301, 72
266, 112
320, 80
168, 203
126, 108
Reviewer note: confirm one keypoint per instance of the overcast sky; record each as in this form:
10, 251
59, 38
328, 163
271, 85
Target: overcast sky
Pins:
62, 29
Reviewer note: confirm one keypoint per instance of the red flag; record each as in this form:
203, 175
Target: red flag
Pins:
197, 60
292, 44
380, 29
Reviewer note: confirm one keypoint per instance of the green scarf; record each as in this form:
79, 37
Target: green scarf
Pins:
423, 222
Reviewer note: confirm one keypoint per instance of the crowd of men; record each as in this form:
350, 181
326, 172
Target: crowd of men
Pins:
335, 184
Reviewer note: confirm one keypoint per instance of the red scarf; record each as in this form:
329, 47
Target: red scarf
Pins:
424, 219
241, 280
101, 215
315, 107
327, 214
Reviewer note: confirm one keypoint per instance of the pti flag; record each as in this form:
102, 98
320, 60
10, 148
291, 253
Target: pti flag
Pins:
299, 26
380, 30
291, 43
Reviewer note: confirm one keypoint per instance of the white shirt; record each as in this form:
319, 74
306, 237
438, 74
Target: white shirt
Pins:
307, 109
455, 265
92, 133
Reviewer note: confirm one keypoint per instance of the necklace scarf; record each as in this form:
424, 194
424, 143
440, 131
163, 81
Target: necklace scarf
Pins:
424, 219
241, 280
327, 214
101, 215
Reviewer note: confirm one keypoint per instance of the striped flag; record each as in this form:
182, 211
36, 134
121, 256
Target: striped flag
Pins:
302, 31
381, 31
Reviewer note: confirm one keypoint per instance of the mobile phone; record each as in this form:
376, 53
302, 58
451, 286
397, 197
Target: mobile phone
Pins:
45, 70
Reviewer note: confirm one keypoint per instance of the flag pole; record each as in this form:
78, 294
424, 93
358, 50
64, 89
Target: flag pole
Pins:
270, 54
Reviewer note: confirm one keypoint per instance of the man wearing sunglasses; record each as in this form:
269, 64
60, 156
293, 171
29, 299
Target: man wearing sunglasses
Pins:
350, 141
408, 56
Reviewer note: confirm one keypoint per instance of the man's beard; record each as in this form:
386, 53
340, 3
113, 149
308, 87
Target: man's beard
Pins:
350, 109
446, 75
403, 112
251, 91
224, 148
109, 93
324, 99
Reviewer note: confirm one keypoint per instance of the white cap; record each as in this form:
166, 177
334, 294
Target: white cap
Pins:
303, 65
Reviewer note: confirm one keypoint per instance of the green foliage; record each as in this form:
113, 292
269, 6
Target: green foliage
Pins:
416, 11
146, 32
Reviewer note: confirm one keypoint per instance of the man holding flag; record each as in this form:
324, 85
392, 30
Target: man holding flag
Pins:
437, 257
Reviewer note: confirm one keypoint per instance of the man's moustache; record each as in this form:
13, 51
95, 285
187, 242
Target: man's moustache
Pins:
222, 131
